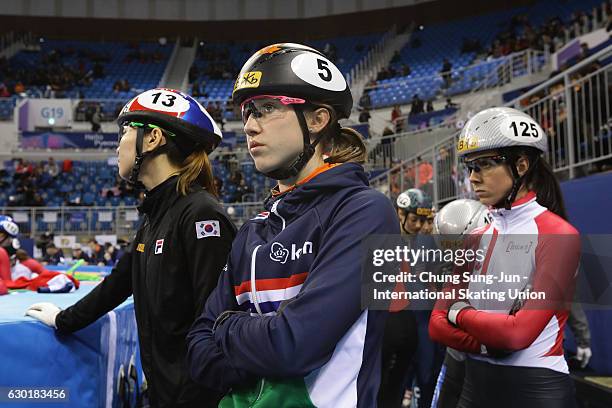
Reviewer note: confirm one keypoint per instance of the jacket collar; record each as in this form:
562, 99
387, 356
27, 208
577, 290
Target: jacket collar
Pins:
158, 199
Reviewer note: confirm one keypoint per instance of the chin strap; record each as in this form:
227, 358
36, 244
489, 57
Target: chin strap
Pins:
300, 161
140, 156
517, 179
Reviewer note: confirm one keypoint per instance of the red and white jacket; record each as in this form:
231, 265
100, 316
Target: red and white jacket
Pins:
543, 250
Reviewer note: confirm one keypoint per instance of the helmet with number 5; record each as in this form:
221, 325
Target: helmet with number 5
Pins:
294, 70
299, 75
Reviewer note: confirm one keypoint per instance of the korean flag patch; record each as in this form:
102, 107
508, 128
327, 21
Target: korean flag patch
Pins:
205, 229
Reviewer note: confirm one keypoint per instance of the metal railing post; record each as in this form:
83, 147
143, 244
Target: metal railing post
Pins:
570, 124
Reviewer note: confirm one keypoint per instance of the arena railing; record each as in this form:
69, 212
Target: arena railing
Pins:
121, 221
497, 71
580, 137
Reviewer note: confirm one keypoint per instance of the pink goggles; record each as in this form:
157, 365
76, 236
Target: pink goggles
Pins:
285, 100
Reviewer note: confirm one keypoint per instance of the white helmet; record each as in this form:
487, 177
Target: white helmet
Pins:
8, 226
503, 129
496, 128
461, 217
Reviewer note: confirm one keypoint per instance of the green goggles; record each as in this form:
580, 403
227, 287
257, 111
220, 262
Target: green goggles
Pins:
142, 125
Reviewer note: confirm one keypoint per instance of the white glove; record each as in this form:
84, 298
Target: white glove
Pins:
454, 310
45, 312
583, 354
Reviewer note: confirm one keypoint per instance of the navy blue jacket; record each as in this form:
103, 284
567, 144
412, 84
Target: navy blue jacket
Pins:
294, 278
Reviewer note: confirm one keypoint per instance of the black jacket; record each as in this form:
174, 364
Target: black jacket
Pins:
172, 266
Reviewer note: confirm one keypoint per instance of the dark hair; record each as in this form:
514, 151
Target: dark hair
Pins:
21, 255
541, 179
340, 144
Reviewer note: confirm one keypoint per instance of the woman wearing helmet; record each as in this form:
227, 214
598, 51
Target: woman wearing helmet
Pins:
413, 209
454, 221
285, 327
514, 346
450, 226
178, 252
401, 336
8, 234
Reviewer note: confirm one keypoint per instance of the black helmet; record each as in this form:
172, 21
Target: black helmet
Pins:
294, 70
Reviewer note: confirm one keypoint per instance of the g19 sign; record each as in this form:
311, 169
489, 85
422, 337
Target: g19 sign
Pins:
37, 113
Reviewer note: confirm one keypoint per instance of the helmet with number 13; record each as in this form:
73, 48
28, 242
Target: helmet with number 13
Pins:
186, 125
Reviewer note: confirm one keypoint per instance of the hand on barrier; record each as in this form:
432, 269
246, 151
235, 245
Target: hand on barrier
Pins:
583, 354
45, 312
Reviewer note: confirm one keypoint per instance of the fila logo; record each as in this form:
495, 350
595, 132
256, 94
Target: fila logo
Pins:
159, 246
278, 253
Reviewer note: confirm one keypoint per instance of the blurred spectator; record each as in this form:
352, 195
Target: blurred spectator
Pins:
395, 113
19, 88
445, 72
330, 51
365, 101
387, 147
450, 104
218, 185
96, 252
110, 255
4, 92
67, 166
429, 107
51, 167
242, 190
96, 120
45, 239
364, 115
78, 253
53, 255
32, 264
425, 176
416, 105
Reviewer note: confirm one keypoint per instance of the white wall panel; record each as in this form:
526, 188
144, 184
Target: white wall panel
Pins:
137, 9
106, 8
257, 9
11, 7
315, 8
168, 9
197, 10
74, 8
227, 10
43, 8
284, 9
343, 6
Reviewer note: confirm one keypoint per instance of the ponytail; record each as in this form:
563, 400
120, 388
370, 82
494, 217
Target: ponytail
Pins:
195, 169
341, 144
543, 181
